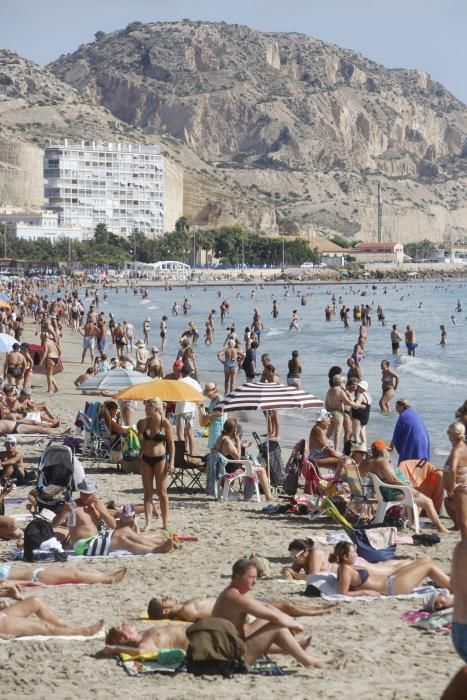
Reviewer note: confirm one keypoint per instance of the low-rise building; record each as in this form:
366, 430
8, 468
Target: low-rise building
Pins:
44, 226
389, 252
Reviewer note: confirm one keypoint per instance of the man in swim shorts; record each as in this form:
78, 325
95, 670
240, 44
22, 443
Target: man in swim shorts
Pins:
88, 514
396, 338
459, 584
192, 610
410, 341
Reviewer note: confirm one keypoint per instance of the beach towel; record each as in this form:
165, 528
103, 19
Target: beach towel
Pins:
411, 439
425, 478
171, 661
41, 638
164, 661
438, 622
327, 585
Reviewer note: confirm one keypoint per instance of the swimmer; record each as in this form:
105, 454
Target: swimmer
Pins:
294, 323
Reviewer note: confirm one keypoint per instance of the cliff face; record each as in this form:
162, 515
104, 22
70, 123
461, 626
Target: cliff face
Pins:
307, 127
36, 106
280, 131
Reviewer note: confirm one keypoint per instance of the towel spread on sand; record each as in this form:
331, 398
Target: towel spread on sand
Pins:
41, 638
327, 585
438, 622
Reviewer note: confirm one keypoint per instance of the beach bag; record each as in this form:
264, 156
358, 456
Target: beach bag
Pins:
38, 531
293, 469
215, 648
203, 417
375, 544
131, 445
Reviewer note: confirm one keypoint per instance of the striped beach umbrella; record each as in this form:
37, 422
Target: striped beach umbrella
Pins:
261, 396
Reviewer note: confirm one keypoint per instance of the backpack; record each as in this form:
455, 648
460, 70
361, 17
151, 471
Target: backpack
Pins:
38, 531
215, 648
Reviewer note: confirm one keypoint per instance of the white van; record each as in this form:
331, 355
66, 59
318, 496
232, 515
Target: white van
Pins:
307, 264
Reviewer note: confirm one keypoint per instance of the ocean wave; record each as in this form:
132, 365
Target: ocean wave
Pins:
274, 331
426, 369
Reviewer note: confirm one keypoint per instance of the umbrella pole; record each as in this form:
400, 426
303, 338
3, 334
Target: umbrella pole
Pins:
268, 471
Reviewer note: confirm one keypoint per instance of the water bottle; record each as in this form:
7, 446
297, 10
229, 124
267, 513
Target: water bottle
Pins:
71, 521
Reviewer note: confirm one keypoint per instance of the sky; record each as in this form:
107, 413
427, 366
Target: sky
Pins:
424, 34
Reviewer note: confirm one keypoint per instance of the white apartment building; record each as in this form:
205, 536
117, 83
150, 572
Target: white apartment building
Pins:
120, 185
45, 225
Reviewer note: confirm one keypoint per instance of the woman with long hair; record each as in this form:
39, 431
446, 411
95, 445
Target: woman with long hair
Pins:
157, 458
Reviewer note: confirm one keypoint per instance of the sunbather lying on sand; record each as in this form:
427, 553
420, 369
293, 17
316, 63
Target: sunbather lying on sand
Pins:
56, 575
192, 610
88, 541
356, 581
126, 639
310, 559
15, 621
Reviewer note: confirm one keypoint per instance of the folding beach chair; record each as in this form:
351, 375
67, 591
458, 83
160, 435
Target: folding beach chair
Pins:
191, 467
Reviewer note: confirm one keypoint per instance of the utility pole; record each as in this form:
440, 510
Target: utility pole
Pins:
4, 241
283, 254
194, 248
243, 252
380, 214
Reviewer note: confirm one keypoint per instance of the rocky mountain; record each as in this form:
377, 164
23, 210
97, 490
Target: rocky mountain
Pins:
281, 132
36, 106
308, 127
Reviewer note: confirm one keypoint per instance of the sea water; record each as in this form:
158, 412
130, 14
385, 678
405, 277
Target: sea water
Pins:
435, 381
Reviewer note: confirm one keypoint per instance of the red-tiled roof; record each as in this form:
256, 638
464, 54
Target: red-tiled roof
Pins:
375, 247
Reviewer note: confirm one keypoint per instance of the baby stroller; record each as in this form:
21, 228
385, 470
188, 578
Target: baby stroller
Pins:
59, 473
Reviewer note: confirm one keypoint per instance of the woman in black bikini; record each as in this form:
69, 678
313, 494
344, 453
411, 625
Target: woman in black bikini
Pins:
157, 458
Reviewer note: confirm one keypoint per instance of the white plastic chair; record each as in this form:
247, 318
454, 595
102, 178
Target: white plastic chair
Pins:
248, 473
383, 506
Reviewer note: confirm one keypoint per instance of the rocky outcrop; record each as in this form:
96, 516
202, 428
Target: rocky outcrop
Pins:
35, 107
275, 108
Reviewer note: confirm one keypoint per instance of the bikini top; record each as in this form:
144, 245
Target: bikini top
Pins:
157, 437
363, 574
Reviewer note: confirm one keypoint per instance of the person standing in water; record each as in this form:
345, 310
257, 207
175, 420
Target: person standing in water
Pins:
396, 338
444, 336
275, 309
294, 323
410, 341
390, 382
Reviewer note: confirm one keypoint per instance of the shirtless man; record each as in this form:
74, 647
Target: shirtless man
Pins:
380, 465
11, 460
321, 448
89, 332
410, 341
126, 639
163, 332
87, 511
129, 331
192, 610
272, 631
459, 584
25, 426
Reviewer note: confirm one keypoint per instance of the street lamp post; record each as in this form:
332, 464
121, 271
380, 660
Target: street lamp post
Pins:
283, 254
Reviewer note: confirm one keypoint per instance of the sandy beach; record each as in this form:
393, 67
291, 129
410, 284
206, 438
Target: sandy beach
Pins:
377, 654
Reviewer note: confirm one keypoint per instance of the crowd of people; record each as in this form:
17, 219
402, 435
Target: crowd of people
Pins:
337, 440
